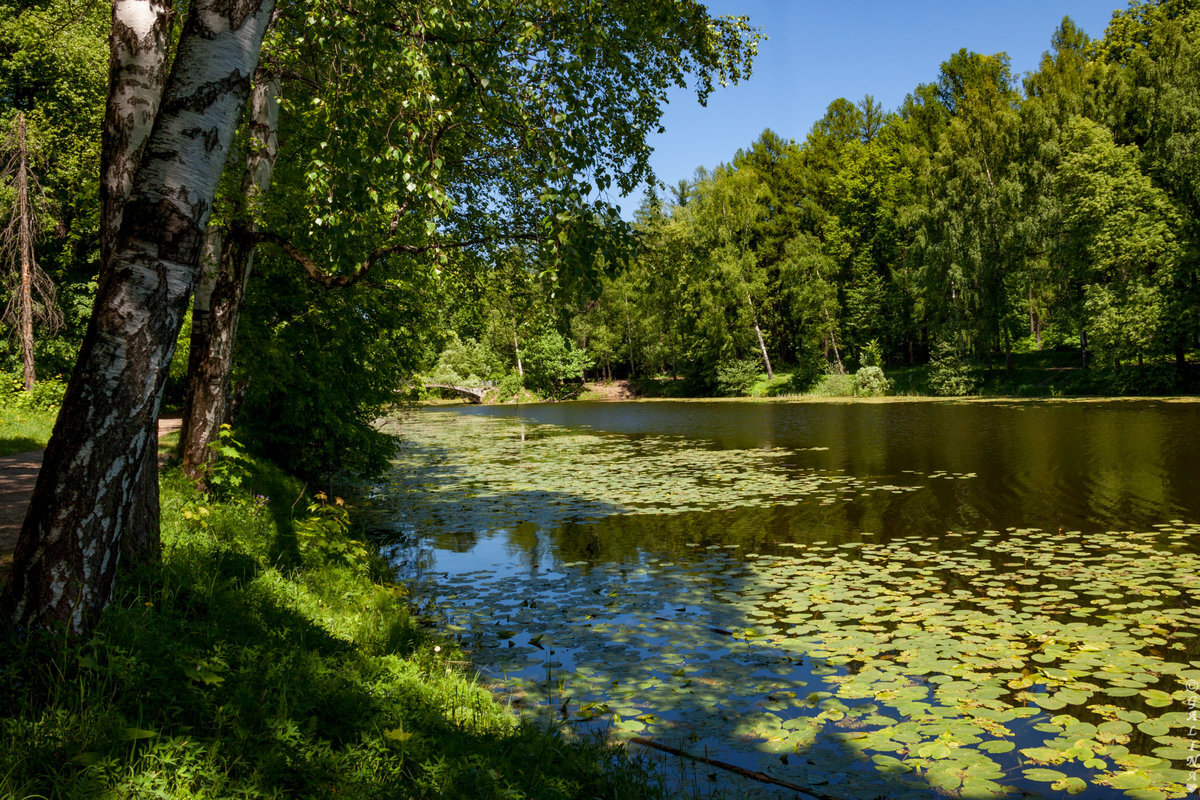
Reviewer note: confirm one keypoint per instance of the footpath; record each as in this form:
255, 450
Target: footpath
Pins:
18, 474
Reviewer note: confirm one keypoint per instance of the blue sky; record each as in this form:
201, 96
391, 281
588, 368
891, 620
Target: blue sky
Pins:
819, 51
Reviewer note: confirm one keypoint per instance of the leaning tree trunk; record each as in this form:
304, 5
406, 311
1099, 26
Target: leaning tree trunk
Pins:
216, 310
138, 47
762, 345
67, 552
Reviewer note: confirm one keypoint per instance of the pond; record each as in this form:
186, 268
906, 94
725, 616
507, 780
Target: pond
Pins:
898, 599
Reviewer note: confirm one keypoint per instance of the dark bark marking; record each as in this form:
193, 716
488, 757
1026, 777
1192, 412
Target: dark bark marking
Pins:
234, 12
211, 136
180, 236
234, 84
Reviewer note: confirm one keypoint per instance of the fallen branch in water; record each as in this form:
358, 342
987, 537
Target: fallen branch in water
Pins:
761, 777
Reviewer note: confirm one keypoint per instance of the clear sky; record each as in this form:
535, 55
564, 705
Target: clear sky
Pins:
819, 51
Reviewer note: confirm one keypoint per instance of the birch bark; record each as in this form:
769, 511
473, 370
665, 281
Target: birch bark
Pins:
217, 307
138, 47
68, 549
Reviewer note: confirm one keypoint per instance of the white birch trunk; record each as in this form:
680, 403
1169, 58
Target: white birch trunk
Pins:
762, 345
138, 47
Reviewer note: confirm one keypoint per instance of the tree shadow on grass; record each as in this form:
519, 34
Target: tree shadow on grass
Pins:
214, 674
15, 445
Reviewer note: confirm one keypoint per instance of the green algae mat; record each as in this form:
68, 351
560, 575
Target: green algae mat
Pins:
654, 586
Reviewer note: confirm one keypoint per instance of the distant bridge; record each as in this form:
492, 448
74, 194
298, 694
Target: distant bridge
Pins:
467, 393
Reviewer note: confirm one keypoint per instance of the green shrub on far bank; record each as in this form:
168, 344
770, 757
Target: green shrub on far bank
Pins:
871, 382
268, 656
734, 378
949, 374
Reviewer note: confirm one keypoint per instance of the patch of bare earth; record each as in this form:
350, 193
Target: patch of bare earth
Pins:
610, 390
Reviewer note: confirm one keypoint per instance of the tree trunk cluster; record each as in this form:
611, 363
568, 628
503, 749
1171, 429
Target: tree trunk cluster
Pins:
166, 140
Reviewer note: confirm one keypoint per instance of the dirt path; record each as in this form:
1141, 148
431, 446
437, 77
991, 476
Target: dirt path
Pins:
18, 473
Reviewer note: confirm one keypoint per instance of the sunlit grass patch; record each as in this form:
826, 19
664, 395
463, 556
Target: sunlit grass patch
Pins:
23, 429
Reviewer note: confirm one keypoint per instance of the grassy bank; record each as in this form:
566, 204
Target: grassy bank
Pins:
269, 656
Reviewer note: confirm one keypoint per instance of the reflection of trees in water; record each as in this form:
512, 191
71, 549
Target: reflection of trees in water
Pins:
412, 558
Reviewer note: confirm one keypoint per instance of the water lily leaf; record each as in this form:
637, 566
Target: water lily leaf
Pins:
1130, 780
1045, 775
1153, 728
1071, 785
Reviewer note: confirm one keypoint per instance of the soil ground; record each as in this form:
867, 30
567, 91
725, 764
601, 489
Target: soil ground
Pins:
610, 390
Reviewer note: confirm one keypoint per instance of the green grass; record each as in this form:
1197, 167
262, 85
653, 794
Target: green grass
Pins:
269, 656
23, 429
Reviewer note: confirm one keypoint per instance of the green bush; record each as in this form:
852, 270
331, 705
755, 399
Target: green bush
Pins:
949, 374
871, 382
46, 395
833, 384
734, 378
553, 368
872, 354
508, 387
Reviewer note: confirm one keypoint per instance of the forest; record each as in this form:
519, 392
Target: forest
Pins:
991, 214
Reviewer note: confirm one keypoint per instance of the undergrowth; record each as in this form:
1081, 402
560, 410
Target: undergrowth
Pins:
268, 656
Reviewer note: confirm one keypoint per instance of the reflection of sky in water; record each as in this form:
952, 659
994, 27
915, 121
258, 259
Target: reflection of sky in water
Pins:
562, 591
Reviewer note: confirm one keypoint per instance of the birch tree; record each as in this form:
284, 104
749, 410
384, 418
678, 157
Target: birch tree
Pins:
86, 492
440, 127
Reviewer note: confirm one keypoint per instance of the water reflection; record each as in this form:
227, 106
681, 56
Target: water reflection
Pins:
1124, 464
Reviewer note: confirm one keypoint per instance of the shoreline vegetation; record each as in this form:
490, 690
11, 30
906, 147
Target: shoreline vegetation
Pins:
1036, 375
271, 655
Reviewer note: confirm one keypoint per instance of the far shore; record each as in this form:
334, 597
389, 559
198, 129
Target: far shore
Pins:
623, 392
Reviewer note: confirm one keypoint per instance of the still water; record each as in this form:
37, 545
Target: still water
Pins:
899, 599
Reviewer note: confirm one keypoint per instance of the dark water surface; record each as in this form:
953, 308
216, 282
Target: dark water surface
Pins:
874, 599
1105, 465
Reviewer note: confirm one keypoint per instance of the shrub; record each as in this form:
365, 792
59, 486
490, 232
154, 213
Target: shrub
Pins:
46, 394
872, 354
508, 387
871, 382
734, 378
553, 367
949, 374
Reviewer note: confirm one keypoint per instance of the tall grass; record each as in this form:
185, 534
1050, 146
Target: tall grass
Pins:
269, 656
